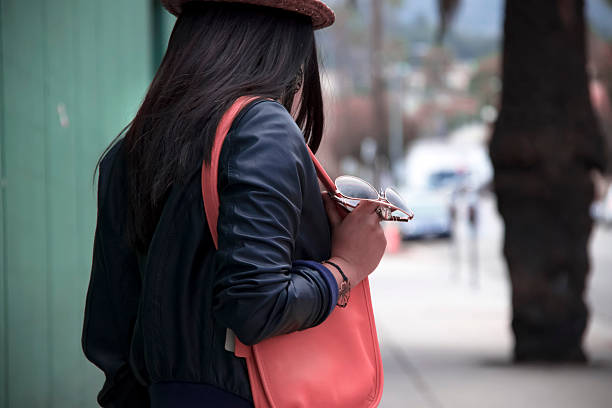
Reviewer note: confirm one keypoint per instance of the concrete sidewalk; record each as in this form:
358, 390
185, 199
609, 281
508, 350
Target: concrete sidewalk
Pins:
443, 320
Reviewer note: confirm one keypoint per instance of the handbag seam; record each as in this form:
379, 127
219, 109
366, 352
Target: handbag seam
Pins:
375, 336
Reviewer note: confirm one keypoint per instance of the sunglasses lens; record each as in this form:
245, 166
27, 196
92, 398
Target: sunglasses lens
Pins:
355, 188
396, 200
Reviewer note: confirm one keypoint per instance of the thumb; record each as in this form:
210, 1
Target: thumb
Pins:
332, 210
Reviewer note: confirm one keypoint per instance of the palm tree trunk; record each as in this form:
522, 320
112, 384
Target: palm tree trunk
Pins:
546, 141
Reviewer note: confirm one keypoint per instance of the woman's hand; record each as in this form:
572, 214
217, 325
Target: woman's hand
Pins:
358, 240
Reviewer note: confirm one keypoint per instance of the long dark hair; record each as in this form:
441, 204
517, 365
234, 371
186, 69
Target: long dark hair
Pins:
217, 53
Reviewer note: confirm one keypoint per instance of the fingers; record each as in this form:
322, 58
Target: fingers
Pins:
366, 207
367, 212
332, 210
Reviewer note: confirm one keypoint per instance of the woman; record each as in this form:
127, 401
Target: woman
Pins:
161, 299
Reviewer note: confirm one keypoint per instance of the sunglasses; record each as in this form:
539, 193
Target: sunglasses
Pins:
350, 191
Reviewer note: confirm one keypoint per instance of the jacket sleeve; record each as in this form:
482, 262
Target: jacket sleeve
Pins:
260, 290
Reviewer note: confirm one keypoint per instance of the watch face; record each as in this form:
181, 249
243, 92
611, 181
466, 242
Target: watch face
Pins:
344, 294
343, 289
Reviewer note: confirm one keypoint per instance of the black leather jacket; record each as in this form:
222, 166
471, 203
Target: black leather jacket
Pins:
164, 316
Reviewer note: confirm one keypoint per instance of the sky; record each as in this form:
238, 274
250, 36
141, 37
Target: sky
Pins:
478, 17
600, 16
485, 17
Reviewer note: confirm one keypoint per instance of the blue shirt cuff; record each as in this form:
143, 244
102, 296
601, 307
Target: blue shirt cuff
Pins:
328, 277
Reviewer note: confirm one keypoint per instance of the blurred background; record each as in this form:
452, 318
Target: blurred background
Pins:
414, 100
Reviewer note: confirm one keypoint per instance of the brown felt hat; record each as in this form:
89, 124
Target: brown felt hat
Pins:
322, 16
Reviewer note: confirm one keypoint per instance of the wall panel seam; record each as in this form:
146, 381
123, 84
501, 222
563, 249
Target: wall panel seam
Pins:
5, 355
47, 192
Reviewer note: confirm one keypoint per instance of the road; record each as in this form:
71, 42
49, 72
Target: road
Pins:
443, 310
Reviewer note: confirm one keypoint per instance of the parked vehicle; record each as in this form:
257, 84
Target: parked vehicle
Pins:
434, 214
437, 174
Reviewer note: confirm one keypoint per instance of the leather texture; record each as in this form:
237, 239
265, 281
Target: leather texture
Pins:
162, 316
336, 364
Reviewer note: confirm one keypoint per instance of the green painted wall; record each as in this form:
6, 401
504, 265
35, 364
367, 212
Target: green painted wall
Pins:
72, 74
3, 293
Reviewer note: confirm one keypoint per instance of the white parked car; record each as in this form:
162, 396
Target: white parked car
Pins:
431, 164
433, 214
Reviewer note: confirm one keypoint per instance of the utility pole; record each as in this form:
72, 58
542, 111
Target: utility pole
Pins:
381, 126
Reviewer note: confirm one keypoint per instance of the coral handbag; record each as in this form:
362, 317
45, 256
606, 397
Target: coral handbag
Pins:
334, 365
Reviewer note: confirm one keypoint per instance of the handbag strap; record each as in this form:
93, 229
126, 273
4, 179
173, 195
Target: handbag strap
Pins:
210, 171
